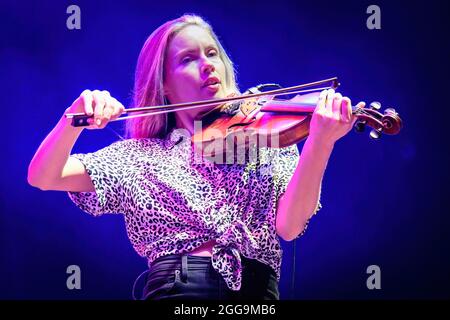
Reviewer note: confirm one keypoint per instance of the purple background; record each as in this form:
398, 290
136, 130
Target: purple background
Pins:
384, 202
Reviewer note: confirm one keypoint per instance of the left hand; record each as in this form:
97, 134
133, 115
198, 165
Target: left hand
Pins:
332, 119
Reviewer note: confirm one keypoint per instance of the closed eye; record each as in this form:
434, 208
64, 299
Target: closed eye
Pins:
212, 53
186, 60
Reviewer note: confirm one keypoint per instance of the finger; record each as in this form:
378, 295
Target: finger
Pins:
336, 108
109, 109
118, 109
321, 102
329, 102
346, 109
109, 105
86, 97
99, 106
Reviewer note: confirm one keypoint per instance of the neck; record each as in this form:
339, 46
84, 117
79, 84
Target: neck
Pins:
185, 121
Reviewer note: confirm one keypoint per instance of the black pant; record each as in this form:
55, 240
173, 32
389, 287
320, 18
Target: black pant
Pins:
192, 277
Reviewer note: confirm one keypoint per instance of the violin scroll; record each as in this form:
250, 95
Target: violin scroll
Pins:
388, 122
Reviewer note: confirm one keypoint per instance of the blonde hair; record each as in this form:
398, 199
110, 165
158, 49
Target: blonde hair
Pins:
149, 76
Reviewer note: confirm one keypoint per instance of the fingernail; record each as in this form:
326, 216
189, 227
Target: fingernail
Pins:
99, 122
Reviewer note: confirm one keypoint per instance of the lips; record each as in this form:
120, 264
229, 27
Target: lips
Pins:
211, 81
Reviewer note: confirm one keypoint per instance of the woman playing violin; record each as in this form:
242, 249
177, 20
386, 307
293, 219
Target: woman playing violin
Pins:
208, 230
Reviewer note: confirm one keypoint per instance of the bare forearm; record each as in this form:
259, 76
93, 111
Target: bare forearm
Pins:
301, 198
50, 158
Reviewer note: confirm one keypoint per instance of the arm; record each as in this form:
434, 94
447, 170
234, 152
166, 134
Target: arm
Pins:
332, 119
52, 168
301, 198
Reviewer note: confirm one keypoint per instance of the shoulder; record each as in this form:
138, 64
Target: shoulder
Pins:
275, 155
133, 145
122, 150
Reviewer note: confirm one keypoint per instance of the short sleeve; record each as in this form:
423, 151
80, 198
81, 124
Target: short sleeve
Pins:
105, 168
284, 163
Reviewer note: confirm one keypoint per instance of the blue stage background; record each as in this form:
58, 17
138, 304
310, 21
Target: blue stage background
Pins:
384, 202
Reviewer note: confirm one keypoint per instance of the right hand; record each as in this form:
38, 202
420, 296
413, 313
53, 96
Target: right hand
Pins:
101, 104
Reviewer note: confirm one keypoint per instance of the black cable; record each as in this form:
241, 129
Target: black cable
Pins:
293, 270
293, 258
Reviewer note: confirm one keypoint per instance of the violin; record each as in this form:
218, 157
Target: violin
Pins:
261, 119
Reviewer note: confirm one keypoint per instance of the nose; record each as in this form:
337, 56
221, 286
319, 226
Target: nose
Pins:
207, 66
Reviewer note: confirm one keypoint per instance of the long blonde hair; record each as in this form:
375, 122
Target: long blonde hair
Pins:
149, 76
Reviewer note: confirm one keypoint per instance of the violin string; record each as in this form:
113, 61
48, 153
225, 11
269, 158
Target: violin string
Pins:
361, 111
116, 133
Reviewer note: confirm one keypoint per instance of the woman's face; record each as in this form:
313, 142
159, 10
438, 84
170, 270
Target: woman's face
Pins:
193, 69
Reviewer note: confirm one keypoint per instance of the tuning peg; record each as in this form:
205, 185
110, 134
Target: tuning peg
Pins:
360, 126
375, 105
390, 110
375, 134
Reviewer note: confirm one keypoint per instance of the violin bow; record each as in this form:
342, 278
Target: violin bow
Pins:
80, 119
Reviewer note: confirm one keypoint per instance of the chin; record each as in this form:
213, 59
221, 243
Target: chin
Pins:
218, 95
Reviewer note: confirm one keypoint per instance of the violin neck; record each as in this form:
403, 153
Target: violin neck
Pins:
281, 106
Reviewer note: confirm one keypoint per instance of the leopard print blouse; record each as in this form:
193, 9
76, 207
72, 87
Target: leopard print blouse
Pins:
173, 201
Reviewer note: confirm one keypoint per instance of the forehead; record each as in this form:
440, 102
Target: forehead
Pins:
190, 37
